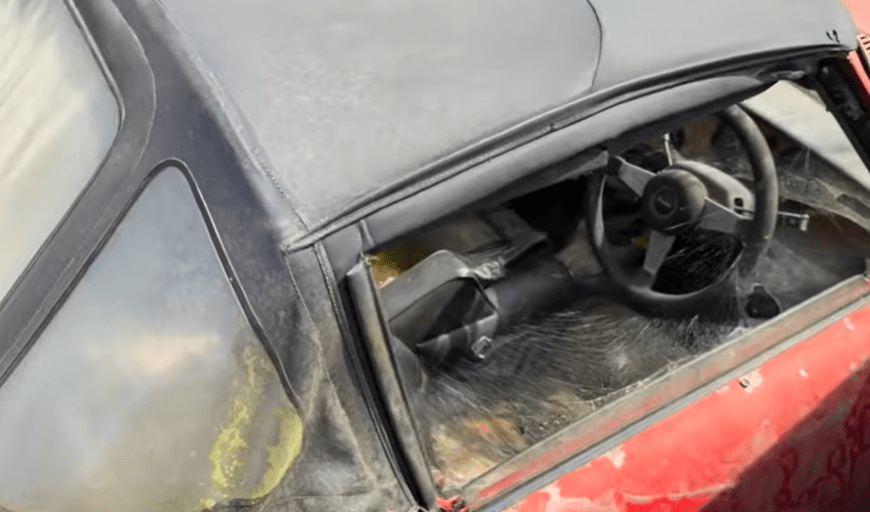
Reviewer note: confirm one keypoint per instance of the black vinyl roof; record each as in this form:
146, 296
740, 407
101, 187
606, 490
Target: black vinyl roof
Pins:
347, 97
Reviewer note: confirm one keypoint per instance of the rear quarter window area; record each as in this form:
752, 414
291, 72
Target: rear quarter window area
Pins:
148, 390
58, 118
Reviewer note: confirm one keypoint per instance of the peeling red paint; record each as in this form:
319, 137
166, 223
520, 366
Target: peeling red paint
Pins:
799, 440
668, 505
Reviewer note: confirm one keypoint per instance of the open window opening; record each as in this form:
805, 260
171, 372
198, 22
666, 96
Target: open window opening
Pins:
511, 322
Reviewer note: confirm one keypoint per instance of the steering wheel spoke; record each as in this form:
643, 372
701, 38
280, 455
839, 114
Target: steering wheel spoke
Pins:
631, 175
716, 217
659, 246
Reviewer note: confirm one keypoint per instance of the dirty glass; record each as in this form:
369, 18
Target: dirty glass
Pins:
58, 118
148, 391
550, 370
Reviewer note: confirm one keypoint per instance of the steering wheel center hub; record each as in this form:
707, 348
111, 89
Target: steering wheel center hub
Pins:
664, 203
672, 199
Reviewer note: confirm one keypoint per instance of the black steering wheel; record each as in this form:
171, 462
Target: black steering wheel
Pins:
676, 206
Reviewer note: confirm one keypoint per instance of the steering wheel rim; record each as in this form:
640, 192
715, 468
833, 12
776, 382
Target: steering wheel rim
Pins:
695, 209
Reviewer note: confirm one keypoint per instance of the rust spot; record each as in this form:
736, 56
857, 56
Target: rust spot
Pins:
752, 381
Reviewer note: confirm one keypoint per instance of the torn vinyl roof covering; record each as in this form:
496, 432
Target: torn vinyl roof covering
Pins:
346, 98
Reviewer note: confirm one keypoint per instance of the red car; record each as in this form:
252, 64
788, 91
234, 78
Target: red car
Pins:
395, 256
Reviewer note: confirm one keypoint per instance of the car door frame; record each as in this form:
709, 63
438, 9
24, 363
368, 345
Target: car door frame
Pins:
607, 428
